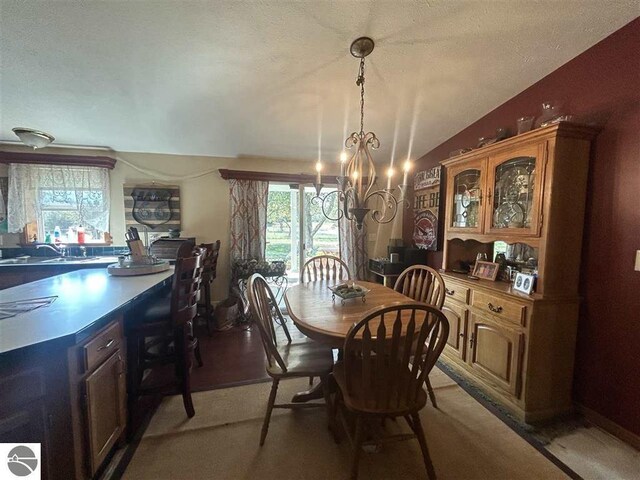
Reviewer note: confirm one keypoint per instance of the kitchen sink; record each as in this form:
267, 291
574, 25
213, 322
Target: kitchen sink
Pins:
69, 259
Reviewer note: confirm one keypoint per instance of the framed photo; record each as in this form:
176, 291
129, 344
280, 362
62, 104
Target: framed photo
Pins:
486, 270
524, 283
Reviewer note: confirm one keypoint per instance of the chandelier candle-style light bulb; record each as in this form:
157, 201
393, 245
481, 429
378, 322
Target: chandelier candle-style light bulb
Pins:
318, 170
390, 173
343, 162
356, 193
406, 168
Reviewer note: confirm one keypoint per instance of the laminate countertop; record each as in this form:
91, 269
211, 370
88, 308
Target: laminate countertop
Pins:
75, 262
82, 299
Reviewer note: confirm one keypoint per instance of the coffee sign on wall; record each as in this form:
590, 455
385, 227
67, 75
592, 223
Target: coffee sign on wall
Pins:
426, 194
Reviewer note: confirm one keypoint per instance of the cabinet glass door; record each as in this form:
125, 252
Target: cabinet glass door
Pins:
515, 197
466, 188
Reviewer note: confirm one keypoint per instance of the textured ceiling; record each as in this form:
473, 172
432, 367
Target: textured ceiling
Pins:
275, 78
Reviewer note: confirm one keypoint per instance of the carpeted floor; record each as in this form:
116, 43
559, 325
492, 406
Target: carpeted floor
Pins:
221, 442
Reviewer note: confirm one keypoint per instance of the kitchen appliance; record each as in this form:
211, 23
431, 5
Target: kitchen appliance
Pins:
172, 248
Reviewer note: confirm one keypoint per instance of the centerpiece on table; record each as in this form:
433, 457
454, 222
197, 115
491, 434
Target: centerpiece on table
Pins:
348, 290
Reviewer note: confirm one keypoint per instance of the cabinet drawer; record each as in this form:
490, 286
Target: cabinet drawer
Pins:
499, 307
456, 291
102, 346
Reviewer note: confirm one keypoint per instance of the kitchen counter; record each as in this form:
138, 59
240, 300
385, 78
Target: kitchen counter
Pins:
25, 262
84, 298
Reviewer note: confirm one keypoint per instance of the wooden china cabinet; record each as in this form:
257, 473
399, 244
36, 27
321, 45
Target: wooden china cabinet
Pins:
527, 192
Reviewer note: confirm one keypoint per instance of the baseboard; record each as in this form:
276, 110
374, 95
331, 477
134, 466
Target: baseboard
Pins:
610, 426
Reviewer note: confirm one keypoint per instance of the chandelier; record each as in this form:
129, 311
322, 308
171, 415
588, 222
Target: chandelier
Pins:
357, 195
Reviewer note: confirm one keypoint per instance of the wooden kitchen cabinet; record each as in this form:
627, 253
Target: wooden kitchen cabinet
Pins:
495, 352
105, 400
97, 377
457, 316
528, 192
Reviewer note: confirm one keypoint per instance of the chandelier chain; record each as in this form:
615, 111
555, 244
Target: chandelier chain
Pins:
360, 82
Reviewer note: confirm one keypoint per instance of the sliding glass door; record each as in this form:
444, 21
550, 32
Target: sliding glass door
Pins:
297, 229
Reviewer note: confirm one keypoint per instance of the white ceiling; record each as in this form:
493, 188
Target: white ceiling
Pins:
275, 78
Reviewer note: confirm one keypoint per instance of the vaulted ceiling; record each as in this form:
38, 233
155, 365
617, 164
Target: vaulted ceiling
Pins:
275, 78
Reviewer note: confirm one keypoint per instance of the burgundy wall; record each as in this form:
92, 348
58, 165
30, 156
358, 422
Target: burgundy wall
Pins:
600, 86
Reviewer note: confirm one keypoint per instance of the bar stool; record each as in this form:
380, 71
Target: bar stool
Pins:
209, 268
163, 334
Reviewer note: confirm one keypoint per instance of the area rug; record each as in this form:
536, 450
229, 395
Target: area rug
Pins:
221, 442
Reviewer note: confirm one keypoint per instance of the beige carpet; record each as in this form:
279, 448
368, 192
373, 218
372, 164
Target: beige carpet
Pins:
221, 442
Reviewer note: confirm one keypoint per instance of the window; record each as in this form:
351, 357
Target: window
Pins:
59, 196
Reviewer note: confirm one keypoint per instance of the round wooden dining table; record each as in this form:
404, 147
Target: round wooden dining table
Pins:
318, 316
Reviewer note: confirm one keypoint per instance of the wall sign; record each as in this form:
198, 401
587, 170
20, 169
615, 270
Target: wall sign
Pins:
154, 208
426, 194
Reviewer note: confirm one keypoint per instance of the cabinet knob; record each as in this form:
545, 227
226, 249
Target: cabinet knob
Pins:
461, 335
495, 309
449, 292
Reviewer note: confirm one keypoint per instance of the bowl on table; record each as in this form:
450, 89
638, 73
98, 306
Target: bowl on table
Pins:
348, 290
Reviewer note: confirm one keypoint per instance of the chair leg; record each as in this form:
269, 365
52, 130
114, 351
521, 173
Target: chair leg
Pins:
417, 429
432, 395
357, 447
326, 391
267, 416
183, 361
197, 354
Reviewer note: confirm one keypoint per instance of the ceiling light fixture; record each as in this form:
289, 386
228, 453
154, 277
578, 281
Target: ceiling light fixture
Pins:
33, 138
356, 193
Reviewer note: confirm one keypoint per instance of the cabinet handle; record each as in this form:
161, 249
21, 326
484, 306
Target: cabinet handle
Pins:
471, 340
480, 197
449, 292
497, 309
107, 345
489, 195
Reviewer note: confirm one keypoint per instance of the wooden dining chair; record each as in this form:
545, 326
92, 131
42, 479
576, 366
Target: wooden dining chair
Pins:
387, 357
164, 333
423, 284
209, 270
286, 359
324, 267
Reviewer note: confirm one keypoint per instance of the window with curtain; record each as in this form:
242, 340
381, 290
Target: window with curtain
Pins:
58, 195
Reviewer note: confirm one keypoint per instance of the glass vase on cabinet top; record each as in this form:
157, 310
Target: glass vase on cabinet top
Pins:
467, 199
513, 198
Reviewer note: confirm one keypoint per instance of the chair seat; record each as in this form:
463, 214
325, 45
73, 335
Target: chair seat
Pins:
303, 360
158, 309
356, 399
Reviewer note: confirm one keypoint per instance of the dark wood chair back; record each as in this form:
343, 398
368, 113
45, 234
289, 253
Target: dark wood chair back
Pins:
263, 305
390, 352
325, 267
185, 288
210, 261
423, 284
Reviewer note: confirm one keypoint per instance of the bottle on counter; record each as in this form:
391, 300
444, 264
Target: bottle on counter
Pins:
71, 235
80, 234
47, 237
56, 234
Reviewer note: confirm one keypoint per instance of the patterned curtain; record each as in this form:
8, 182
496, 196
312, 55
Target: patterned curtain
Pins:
353, 247
248, 200
34, 187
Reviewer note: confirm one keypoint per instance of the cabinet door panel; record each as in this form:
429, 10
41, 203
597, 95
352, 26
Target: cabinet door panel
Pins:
105, 400
514, 191
457, 316
496, 353
465, 197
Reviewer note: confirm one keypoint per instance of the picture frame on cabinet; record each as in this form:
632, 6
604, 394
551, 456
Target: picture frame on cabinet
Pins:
486, 270
524, 283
